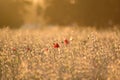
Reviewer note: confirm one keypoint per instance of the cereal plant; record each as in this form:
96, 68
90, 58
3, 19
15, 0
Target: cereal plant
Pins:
59, 54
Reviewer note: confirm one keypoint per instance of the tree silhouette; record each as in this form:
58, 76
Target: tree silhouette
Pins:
58, 12
12, 13
83, 12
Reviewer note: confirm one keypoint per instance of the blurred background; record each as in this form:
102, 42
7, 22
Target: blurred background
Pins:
35, 13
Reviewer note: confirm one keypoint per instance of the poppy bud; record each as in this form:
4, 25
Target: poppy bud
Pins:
28, 49
66, 41
14, 49
46, 49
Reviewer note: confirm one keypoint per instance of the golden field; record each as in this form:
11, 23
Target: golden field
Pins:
30, 54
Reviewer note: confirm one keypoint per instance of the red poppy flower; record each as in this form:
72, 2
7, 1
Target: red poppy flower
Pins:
56, 45
14, 49
66, 41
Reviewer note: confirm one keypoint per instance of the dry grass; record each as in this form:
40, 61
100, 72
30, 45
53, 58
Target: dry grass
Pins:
90, 55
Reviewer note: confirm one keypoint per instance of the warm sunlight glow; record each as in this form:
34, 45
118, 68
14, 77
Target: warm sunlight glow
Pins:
41, 2
36, 1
